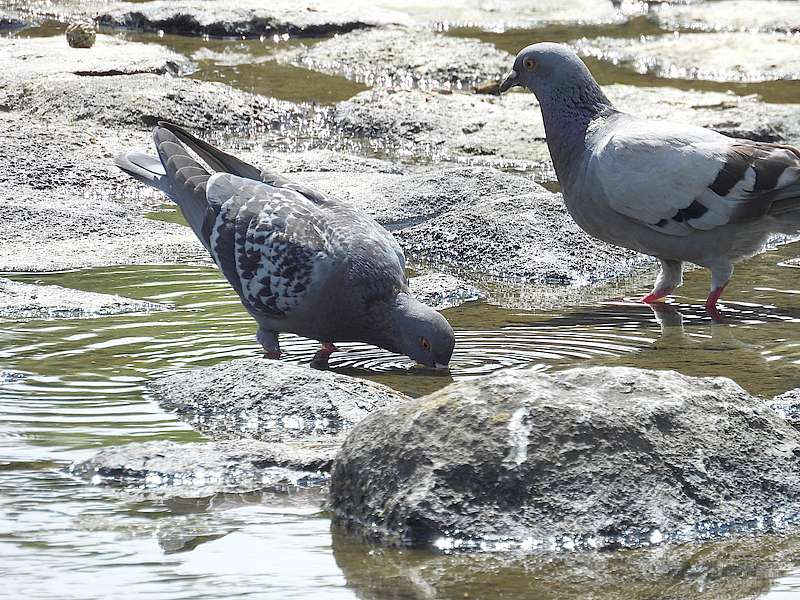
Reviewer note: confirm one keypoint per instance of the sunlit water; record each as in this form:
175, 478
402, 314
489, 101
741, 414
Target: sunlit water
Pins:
68, 388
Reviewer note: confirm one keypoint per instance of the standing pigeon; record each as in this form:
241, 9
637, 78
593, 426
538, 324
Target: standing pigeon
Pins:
673, 191
300, 261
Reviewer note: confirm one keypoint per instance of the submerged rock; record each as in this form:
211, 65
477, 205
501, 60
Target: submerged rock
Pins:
740, 56
270, 400
442, 291
201, 469
25, 58
584, 458
403, 58
24, 301
731, 15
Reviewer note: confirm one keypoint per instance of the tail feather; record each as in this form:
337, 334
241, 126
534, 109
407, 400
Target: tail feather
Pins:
147, 169
188, 181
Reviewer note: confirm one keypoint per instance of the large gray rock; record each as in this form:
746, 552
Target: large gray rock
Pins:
584, 458
728, 569
24, 301
729, 56
787, 405
200, 469
270, 400
403, 58
508, 131
442, 291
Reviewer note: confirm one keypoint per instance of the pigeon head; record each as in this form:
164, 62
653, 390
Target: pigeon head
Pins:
547, 68
420, 332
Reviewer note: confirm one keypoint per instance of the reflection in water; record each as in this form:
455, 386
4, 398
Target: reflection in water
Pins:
728, 569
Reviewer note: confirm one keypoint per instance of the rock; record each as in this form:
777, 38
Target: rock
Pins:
731, 15
698, 571
787, 405
200, 469
403, 58
482, 221
24, 301
270, 400
247, 18
740, 56
596, 457
26, 58
442, 291
67, 206
81, 34
507, 131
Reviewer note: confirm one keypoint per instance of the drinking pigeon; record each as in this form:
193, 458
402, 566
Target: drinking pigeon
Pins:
676, 192
300, 261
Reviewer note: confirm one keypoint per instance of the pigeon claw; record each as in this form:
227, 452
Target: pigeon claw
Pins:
273, 355
320, 360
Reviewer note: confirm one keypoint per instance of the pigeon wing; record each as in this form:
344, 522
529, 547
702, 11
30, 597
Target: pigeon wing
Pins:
678, 179
273, 245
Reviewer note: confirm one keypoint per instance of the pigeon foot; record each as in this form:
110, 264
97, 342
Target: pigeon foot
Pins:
320, 360
272, 355
711, 303
657, 296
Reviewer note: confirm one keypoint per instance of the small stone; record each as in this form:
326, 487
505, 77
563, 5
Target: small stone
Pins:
81, 34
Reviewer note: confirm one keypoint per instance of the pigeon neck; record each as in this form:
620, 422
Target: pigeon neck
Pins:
567, 114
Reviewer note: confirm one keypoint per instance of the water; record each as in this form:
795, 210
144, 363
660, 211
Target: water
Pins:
75, 386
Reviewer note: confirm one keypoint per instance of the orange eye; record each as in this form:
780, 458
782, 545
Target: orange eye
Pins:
426, 345
529, 64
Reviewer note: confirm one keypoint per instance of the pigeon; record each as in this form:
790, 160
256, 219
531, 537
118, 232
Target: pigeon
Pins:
676, 192
300, 261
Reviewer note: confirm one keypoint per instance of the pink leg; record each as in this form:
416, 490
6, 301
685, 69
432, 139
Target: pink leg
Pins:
711, 303
657, 295
274, 355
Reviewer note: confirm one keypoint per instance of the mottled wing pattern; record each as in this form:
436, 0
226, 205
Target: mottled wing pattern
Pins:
272, 244
678, 179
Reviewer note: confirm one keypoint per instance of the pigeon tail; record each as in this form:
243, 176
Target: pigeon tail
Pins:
188, 180
145, 168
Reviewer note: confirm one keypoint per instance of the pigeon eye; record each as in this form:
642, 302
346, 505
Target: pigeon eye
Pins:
426, 345
529, 64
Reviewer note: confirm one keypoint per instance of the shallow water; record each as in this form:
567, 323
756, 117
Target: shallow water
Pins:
79, 385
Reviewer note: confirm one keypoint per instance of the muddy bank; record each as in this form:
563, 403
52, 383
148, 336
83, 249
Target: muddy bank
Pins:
25, 301
201, 469
270, 400
581, 459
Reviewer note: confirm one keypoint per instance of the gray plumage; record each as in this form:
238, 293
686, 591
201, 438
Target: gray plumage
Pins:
300, 261
674, 191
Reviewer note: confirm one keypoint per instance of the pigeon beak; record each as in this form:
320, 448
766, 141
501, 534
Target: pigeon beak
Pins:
509, 81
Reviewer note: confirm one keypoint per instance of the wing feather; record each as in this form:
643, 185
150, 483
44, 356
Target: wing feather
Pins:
678, 179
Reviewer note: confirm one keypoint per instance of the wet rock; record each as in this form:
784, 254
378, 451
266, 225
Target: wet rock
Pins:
248, 18
81, 34
403, 58
787, 405
25, 58
442, 291
319, 164
508, 131
24, 301
270, 400
202, 469
67, 206
731, 15
585, 458
731, 569
739, 56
